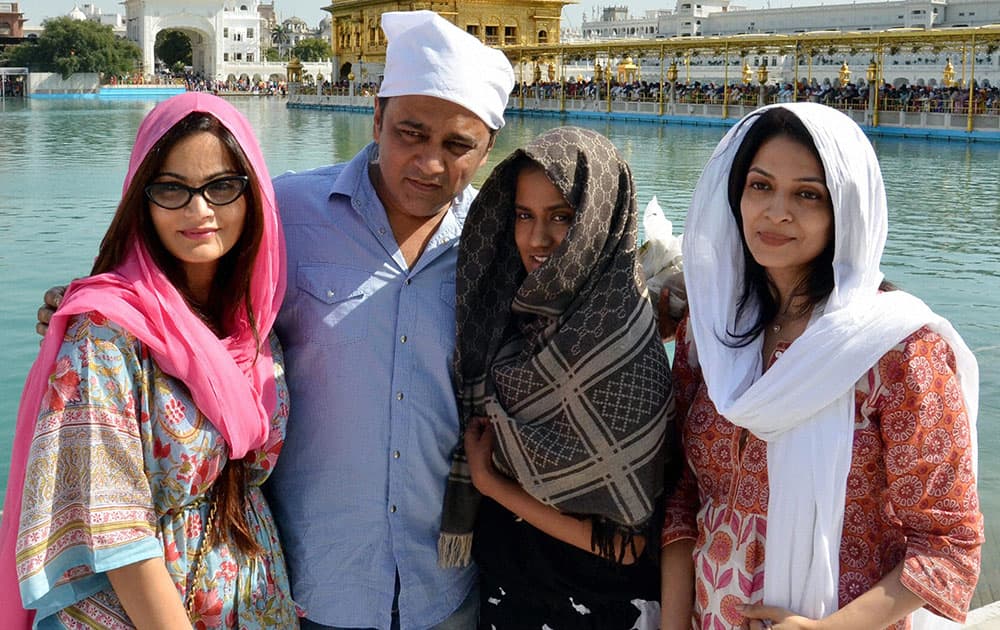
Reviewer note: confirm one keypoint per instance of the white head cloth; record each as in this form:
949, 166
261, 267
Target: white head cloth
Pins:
803, 406
429, 56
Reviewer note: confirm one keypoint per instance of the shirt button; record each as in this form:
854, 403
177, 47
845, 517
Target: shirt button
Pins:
395, 454
392, 508
330, 293
399, 396
381, 231
402, 339
407, 281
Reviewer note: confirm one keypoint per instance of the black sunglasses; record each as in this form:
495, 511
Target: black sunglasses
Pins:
218, 192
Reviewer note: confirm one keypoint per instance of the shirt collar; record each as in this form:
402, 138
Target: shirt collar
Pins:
451, 227
354, 183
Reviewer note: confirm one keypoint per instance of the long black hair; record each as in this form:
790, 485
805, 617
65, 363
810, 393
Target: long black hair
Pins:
758, 289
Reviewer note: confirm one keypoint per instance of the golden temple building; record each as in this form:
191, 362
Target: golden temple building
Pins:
359, 43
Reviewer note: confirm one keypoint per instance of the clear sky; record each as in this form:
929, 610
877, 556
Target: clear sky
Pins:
311, 10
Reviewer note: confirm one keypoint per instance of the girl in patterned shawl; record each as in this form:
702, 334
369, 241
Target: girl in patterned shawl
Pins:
157, 404
565, 394
828, 420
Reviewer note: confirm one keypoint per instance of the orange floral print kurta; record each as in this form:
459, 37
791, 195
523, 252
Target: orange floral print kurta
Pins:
911, 490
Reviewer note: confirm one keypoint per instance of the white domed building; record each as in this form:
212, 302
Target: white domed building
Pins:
77, 15
94, 13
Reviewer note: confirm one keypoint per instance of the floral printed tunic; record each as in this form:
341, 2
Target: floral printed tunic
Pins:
911, 491
119, 467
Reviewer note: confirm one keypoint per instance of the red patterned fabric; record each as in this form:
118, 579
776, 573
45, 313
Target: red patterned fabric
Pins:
911, 491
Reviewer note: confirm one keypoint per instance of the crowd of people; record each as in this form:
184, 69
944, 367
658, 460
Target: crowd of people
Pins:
906, 97
11, 86
341, 87
197, 82
369, 396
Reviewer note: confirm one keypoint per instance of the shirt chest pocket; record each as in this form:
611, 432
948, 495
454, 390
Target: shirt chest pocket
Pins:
336, 298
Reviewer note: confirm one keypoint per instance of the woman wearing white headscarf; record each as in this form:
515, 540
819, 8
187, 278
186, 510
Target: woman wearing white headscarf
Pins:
828, 423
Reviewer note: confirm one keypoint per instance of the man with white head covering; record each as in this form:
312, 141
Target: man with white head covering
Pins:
368, 328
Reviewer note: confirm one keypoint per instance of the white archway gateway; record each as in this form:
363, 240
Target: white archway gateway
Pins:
203, 57
198, 19
224, 34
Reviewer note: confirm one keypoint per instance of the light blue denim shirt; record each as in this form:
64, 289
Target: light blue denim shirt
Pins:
359, 486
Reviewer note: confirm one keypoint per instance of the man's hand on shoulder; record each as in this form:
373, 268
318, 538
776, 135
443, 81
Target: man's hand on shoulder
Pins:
53, 298
666, 323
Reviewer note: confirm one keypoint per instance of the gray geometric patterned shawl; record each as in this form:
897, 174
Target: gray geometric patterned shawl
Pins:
566, 361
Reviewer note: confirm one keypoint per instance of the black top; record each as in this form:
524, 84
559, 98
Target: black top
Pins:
530, 563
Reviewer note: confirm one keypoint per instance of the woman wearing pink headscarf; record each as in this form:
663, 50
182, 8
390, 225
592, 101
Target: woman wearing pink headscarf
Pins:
157, 404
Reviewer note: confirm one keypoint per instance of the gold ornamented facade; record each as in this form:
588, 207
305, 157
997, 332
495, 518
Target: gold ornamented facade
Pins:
358, 39
801, 47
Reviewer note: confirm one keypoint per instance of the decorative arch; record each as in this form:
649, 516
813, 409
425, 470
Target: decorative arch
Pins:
511, 34
493, 28
199, 30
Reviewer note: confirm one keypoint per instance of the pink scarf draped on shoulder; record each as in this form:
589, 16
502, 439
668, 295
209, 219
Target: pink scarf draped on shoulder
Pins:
231, 382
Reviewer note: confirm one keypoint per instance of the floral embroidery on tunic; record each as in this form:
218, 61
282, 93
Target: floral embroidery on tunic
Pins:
119, 466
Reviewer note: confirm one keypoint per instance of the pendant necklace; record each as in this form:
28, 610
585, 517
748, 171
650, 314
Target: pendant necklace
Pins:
777, 323
780, 320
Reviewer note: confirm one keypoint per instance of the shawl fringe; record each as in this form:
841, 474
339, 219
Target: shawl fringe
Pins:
454, 550
611, 541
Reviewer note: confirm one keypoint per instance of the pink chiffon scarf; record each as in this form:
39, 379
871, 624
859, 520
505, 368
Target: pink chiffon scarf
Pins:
231, 380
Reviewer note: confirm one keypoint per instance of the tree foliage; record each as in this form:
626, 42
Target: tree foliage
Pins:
279, 36
68, 46
173, 47
312, 49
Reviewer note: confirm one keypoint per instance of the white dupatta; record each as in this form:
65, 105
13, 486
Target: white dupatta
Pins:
803, 406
